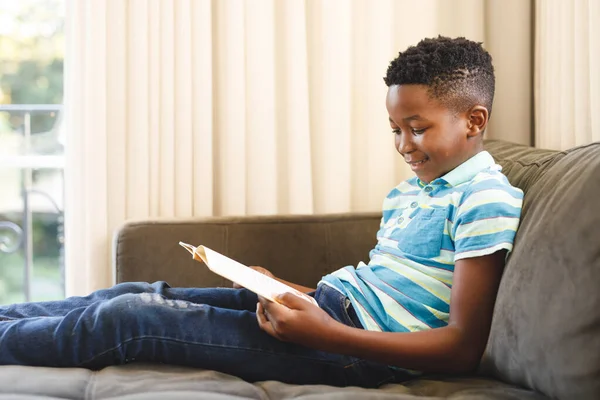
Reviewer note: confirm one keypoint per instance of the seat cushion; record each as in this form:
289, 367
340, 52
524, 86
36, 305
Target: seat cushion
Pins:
546, 326
160, 382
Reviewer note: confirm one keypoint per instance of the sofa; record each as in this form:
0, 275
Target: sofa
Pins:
545, 337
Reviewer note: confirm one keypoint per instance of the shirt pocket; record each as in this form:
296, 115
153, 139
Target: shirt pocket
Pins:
422, 236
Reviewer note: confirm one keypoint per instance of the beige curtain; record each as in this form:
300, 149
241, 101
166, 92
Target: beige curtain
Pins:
567, 73
195, 107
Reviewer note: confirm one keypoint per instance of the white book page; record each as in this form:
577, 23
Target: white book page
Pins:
241, 274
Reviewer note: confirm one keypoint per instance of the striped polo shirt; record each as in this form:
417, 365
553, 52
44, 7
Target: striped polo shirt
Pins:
425, 228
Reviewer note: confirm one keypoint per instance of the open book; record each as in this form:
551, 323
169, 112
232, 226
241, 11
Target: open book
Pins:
241, 274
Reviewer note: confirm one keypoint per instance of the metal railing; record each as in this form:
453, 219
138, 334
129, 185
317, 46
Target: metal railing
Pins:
15, 236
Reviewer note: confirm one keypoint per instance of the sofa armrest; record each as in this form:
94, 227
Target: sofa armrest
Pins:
300, 249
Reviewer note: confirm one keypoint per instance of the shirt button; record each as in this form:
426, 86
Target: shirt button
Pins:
414, 204
400, 220
428, 189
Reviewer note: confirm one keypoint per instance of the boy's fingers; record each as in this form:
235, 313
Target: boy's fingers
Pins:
263, 321
274, 309
292, 300
261, 316
260, 313
263, 301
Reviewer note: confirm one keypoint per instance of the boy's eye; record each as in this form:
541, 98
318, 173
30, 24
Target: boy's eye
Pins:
396, 131
418, 131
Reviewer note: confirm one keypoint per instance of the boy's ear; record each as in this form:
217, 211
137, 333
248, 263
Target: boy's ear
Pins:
477, 120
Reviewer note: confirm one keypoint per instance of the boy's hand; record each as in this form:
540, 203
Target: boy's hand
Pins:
262, 270
294, 320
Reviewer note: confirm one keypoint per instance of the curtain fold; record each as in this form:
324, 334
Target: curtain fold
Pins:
196, 107
567, 73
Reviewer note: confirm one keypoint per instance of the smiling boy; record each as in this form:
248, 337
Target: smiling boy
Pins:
424, 301
444, 234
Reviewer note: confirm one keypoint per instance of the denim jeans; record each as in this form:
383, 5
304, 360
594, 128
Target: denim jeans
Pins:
211, 328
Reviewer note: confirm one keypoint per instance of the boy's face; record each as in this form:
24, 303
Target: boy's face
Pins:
432, 138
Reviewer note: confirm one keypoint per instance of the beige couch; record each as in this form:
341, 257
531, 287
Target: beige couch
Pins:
545, 340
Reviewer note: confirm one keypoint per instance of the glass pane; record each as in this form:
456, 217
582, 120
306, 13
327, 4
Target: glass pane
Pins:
31, 150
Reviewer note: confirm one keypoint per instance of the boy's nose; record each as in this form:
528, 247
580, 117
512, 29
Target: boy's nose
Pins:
404, 143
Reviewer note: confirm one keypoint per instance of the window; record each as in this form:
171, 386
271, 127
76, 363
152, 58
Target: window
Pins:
31, 150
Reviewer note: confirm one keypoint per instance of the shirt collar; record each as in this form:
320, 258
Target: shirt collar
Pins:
468, 169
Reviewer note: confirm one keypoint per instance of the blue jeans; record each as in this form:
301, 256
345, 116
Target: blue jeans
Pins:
211, 328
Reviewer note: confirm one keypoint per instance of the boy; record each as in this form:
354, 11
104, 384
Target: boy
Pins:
423, 303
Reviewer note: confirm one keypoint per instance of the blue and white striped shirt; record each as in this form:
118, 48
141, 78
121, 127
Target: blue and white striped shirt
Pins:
425, 228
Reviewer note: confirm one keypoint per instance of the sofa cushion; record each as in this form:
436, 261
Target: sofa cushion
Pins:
159, 382
546, 326
522, 165
297, 248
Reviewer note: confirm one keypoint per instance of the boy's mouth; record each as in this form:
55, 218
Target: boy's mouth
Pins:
414, 165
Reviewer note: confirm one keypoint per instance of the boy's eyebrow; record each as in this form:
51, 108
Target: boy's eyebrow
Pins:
415, 117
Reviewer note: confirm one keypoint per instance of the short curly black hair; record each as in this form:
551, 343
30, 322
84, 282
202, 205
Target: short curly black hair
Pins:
458, 72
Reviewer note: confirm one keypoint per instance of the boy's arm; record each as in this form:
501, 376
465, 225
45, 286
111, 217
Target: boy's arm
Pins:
455, 348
